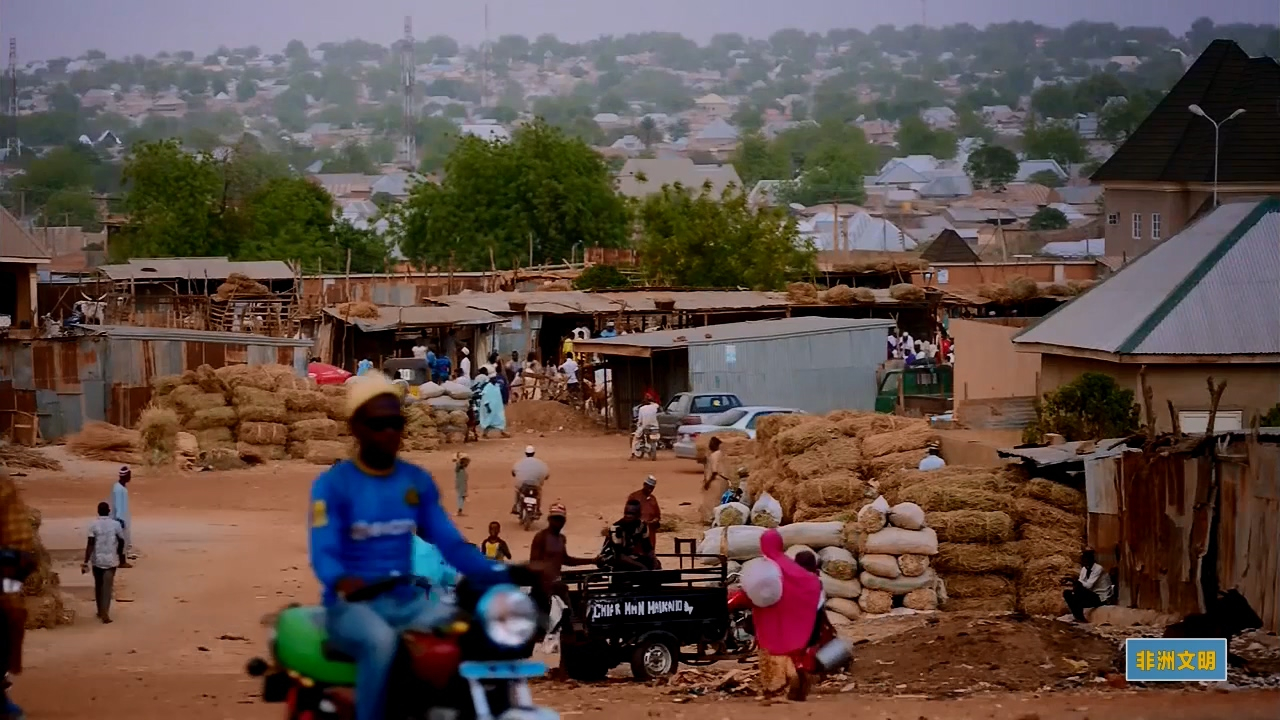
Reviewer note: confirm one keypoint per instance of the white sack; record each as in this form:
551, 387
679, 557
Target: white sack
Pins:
769, 506
832, 556
428, 390
444, 402
834, 588
907, 515
844, 607
899, 586
456, 390
762, 582
885, 566
871, 519
795, 550
816, 535
740, 542
896, 541
743, 510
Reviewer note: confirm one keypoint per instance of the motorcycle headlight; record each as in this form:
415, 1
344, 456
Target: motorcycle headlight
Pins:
509, 617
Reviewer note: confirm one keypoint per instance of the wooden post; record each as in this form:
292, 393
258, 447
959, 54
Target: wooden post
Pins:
1149, 410
1173, 418
348, 274
1215, 397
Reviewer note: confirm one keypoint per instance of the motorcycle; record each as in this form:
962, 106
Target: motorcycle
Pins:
647, 445
530, 508
472, 664
825, 653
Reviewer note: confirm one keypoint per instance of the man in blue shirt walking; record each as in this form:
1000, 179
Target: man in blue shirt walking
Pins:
364, 514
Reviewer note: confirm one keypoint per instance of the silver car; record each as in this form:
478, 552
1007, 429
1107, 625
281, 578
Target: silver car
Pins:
742, 419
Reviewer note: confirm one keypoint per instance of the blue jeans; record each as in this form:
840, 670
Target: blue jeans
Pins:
370, 632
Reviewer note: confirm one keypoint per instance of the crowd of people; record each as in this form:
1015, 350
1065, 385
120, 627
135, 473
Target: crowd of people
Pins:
914, 351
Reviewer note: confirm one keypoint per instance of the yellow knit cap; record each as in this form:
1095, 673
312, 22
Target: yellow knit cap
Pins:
367, 387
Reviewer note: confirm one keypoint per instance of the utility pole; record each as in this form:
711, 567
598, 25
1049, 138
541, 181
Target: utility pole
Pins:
408, 72
484, 61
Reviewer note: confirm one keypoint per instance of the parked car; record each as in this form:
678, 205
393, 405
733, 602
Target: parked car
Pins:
691, 409
743, 419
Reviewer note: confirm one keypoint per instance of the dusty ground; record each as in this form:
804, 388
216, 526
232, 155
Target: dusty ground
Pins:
220, 550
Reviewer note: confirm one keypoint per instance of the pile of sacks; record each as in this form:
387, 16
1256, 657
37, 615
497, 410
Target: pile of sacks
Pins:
822, 468
1050, 539
895, 547
446, 403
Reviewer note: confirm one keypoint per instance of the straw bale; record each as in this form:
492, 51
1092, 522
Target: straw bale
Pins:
994, 292
305, 401
294, 417
1034, 512
840, 295
906, 292
165, 384
314, 430
893, 462
799, 293
325, 452
914, 436
1048, 603
107, 442
1038, 541
913, 565
263, 433
843, 488
1022, 288
258, 454
338, 407
17, 456
223, 457
1080, 286
189, 399
186, 445
704, 440
966, 587
921, 599
212, 418
971, 526
458, 418
241, 285
266, 413
976, 558
47, 611
994, 603
818, 513
159, 432
762, 480
1047, 573
855, 423
771, 425
250, 395
875, 602
1058, 290
218, 437
209, 381
1055, 494
1000, 480
296, 450
420, 443
253, 376
808, 433
944, 497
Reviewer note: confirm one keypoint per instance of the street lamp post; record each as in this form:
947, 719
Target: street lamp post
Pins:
1217, 127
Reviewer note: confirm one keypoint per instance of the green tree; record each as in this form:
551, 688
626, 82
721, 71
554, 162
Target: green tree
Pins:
73, 208
66, 168
1048, 218
758, 159
289, 218
914, 137
992, 166
174, 203
541, 188
970, 125
1091, 407
700, 240
748, 118
1054, 101
600, 277
832, 160
351, 158
435, 138
440, 46
1047, 178
1055, 141
246, 89
1118, 120
648, 132
504, 114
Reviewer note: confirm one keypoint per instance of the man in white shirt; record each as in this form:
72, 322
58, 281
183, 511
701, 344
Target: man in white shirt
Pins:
570, 371
103, 554
531, 472
1091, 589
933, 460
464, 365
646, 418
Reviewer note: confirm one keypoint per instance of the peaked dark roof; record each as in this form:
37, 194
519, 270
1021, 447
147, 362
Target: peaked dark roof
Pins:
949, 247
1173, 145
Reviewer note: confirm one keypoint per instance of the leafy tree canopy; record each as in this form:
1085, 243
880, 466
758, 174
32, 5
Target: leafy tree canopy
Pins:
1091, 407
1048, 218
1055, 141
600, 277
699, 240
497, 199
917, 138
992, 166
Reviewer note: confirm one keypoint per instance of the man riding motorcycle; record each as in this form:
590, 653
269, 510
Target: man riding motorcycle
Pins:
363, 516
646, 419
529, 473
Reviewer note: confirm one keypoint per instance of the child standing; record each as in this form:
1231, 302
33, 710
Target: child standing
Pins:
460, 463
494, 547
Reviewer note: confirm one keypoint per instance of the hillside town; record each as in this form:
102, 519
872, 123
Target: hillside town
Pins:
921, 372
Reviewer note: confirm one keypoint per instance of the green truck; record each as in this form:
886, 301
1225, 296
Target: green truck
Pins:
918, 390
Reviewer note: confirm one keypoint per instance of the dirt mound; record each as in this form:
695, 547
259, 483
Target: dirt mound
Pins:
546, 416
955, 652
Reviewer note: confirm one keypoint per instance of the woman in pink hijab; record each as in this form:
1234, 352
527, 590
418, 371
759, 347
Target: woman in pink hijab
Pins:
784, 597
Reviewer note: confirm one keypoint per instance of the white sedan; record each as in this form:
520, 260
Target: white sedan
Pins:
743, 419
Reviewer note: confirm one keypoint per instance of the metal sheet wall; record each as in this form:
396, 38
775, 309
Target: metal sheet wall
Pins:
816, 373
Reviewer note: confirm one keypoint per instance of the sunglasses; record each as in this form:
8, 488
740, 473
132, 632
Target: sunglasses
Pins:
383, 424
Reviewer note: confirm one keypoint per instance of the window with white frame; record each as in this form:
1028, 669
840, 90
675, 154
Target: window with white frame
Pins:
1195, 422
1113, 218
1155, 226
1137, 226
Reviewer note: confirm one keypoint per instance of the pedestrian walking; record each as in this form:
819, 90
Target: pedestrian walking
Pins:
461, 462
120, 509
103, 554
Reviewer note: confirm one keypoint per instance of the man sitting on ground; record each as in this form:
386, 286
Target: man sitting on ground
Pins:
1091, 589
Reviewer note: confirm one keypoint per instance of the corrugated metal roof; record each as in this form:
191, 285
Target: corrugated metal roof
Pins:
584, 303
1067, 452
213, 268
730, 332
390, 318
230, 338
1212, 289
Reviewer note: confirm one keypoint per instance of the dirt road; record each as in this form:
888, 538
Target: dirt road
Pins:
220, 550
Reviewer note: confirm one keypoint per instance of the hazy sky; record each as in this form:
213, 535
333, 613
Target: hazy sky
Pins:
50, 28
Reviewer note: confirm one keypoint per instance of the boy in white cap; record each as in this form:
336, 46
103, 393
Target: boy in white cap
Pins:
650, 513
